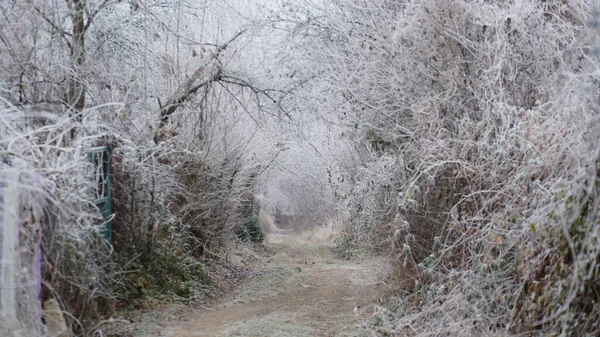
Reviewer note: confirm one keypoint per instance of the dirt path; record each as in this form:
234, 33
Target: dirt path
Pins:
302, 290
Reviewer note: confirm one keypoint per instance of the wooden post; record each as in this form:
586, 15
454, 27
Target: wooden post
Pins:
9, 221
21, 207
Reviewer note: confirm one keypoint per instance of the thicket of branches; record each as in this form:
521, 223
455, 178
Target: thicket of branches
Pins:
476, 164
189, 134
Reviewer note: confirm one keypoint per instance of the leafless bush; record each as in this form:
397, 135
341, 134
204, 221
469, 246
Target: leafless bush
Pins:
167, 207
78, 269
79, 74
217, 200
480, 120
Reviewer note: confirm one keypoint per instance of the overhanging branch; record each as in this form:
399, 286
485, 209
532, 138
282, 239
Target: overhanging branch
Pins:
203, 76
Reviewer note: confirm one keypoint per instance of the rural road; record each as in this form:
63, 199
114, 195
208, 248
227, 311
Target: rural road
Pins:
302, 290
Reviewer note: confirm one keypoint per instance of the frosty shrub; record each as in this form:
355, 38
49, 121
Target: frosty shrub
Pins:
77, 266
477, 126
157, 243
181, 120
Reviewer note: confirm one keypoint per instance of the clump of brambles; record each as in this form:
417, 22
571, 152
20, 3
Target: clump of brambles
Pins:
478, 166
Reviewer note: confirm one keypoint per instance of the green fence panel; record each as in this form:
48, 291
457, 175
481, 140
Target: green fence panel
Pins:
100, 158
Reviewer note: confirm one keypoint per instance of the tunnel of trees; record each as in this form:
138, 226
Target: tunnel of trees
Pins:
458, 138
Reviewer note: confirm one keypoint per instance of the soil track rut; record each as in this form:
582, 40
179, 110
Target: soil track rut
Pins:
302, 290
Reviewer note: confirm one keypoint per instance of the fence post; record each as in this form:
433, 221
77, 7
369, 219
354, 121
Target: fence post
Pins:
9, 220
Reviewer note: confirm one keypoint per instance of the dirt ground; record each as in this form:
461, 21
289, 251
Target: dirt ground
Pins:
302, 289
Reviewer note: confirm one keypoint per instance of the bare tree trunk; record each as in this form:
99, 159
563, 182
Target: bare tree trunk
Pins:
77, 89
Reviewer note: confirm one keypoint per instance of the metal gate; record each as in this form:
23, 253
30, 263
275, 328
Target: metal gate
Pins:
100, 158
